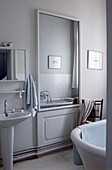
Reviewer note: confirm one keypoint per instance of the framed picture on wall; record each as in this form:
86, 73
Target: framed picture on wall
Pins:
54, 62
94, 60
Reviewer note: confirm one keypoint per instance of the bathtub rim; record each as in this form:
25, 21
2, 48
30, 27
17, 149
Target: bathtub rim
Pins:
81, 144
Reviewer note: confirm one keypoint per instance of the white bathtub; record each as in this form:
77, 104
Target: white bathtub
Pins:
93, 157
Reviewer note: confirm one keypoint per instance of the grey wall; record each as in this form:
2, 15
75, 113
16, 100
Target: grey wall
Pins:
59, 85
109, 86
55, 39
17, 24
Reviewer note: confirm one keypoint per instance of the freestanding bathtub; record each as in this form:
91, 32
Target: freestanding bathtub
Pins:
90, 142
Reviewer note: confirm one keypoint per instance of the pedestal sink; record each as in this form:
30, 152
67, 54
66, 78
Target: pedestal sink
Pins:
7, 135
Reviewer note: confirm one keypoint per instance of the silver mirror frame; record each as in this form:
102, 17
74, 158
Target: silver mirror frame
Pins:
38, 12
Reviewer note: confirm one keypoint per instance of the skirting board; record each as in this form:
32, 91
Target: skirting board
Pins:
36, 152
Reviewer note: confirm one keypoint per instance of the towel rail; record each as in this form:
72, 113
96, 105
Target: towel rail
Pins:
11, 91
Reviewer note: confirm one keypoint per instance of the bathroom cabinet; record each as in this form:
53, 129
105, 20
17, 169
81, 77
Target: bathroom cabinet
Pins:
12, 63
55, 126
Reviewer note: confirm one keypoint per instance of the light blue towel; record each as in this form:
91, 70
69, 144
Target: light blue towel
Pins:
93, 133
30, 98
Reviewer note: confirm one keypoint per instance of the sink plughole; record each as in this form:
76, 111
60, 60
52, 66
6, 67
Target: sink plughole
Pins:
13, 118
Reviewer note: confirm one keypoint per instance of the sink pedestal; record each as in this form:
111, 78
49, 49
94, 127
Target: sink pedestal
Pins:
7, 135
7, 140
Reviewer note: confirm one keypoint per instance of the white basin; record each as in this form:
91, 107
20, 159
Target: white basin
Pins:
13, 118
7, 135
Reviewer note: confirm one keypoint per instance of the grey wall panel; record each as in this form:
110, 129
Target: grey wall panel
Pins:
59, 126
24, 135
56, 126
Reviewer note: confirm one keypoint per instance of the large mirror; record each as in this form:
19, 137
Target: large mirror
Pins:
12, 64
58, 38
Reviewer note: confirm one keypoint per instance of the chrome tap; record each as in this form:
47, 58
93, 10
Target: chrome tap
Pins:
5, 108
45, 95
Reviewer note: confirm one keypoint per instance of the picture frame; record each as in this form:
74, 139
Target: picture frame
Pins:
94, 60
54, 62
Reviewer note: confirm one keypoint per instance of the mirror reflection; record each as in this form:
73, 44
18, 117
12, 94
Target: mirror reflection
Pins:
12, 64
59, 61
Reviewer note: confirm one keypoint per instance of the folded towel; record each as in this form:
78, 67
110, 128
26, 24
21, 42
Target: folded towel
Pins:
95, 133
86, 109
30, 98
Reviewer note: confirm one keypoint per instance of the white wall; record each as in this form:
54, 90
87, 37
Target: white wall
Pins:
17, 24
